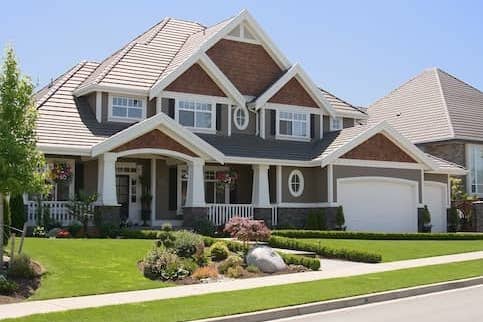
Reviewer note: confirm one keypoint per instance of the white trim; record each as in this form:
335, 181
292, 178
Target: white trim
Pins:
306, 204
243, 126
249, 41
262, 124
190, 96
449, 191
245, 160
62, 149
194, 128
99, 107
296, 172
279, 136
260, 188
279, 184
377, 164
118, 88
331, 122
153, 190
291, 108
423, 199
158, 104
111, 118
321, 127
163, 152
330, 183
229, 118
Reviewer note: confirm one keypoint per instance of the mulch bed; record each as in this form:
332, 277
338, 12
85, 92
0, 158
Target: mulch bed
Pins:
26, 287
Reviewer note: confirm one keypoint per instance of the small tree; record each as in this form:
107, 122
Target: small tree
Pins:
339, 218
453, 220
426, 218
81, 207
17, 211
20, 160
246, 230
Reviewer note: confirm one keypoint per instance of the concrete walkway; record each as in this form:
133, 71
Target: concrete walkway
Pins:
331, 269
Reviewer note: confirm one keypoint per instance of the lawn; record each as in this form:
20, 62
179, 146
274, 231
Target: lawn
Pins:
89, 266
219, 304
394, 250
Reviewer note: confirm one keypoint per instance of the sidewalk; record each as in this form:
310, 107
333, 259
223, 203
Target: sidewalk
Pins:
331, 269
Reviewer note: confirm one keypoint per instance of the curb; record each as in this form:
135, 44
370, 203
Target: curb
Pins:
317, 307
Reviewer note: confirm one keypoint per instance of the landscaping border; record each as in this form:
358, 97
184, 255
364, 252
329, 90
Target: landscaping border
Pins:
335, 234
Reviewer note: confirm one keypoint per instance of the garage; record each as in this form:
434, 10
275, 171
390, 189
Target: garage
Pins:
379, 203
435, 197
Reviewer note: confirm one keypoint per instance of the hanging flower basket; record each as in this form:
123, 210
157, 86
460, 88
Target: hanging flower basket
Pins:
61, 172
224, 178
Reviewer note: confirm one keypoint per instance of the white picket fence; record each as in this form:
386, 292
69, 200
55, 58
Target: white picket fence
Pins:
57, 210
219, 214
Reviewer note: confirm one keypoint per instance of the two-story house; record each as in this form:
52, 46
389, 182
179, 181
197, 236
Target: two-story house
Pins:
213, 122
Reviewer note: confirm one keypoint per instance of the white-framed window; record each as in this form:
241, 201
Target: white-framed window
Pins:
336, 123
475, 165
197, 115
126, 108
293, 125
240, 117
62, 190
296, 183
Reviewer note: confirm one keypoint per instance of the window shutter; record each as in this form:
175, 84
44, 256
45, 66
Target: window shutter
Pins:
273, 120
171, 103
173, 189
79, 177
312, 126
218, 117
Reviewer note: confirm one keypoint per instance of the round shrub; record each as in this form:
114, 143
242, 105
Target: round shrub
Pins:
161, 263
166, 238
204, 227
186, 243
231, 261
235, 272
205, 272
219, 251
253, 269
7, 287
21, 266
167, 227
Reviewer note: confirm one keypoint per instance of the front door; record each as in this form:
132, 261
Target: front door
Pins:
122, 188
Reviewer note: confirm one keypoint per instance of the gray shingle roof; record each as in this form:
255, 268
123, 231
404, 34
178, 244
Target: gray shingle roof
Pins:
433, 106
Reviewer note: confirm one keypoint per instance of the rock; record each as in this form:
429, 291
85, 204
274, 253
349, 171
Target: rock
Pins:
266, 259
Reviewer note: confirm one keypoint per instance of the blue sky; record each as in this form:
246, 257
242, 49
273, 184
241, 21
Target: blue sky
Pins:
360, 50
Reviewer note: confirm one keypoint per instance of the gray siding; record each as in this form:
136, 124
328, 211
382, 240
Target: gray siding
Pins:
326, 121
105, 106
90, 176
272, 183
268, 124
252, 123
351, 171
442, 178
315, 189
151, 108
165, 105
347, 122
91, 100
224, 120
243, 191
162, 192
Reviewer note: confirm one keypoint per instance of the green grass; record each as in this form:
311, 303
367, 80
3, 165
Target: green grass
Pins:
89, 266
394, 250
226, 303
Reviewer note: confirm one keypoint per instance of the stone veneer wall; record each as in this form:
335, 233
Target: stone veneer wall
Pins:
297, 217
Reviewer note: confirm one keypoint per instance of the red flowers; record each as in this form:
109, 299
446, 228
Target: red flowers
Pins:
245, 229
63, 233
61, 172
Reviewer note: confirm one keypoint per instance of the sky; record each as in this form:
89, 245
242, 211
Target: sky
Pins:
359, 50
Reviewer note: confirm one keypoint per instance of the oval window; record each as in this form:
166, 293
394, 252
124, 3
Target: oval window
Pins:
296, 183
241, 118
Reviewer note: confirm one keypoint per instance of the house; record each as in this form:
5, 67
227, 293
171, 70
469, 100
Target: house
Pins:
442, 115
188, 122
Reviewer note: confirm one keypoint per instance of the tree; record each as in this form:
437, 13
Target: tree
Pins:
82, 208
20, 160
339, 218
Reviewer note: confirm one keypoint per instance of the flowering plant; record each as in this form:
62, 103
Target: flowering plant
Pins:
61, 172
245, 229
226, 178
63, 233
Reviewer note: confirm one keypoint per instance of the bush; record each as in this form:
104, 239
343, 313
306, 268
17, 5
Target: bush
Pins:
253, 269
219, 251
245, 229
21, 267
375, 236
316, 220
309, 262
139, 234
7, 287
205, 272
204, 227
188, 264
233, 246
346, 254
186, 243
17, 211
167, 227
453, 220
231, 261
39, 231
235, 272
109, 231
161, 263
166, 238
339, 218
74, 229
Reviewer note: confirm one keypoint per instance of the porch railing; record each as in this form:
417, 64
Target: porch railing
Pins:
219, 214
57, 210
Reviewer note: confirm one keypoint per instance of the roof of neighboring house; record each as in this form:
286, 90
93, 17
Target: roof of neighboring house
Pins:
447, 166
339, 104
433, 106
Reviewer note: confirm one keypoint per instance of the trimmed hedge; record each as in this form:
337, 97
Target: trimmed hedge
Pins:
139, 234
309, 262
321, 234
328, 252
233, 246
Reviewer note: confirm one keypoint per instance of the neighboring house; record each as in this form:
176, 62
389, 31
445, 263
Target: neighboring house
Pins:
214, 122
443, 116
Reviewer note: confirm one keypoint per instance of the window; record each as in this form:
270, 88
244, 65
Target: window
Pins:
126, 109
336, 123
215, 192
196, 115
241, 118
296, 183
293, 124
476, 168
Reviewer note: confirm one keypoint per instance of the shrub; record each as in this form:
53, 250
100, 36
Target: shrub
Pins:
7, 287
39, 231
205, 272
328, 252
233, 246
17, 211
235, 272
63, 233
74, 229
21, 267
309, 262
245, 229
139, 234
167, 227
253, 269
317, 234
453, 220
316, 220
109, 231
231, 261
219, 251
188, 264
166, 238
161, 263
204, 227
339, 218
186, 243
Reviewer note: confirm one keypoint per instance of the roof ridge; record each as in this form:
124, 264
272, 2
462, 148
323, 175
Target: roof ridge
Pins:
445, 104
59, 81
161, 26
446, 161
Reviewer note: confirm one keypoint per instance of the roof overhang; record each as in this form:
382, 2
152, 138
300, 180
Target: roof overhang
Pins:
124, 89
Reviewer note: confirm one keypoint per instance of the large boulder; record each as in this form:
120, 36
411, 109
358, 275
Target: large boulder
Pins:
266, 259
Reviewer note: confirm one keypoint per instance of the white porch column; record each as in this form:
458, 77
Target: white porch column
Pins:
330, 184
279, 184
260, 192
106, 184
196, 184
153, 191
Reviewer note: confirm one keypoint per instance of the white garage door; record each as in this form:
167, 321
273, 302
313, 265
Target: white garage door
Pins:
435, 195
379, 204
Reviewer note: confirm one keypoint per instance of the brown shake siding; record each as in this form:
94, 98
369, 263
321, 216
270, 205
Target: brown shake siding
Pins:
340, 171
293, 93
315, 185
196, 81
249, 67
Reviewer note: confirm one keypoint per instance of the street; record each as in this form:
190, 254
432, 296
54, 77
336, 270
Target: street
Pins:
462, 305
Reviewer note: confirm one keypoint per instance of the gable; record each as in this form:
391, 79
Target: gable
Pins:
293, 93
248, 66
154, 139
378, 148
195, 81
